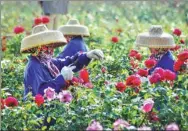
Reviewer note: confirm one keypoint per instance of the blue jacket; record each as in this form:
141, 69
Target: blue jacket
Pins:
75, 45
37, 77
166, 62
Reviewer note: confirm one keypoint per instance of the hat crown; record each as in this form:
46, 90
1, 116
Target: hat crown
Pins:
39, 28
73, 22
156, 30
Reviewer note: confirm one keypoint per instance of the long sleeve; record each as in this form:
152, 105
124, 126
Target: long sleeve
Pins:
58, 83
37, 80
37, 77
79, 60
166, 62
77, 44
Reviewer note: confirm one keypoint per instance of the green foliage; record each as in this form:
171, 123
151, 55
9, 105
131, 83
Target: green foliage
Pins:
102, 103
14, 45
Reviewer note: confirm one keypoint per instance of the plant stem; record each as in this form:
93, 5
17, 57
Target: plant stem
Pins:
143, 120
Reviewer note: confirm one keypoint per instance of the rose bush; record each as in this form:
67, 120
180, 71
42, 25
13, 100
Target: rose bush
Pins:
116, 93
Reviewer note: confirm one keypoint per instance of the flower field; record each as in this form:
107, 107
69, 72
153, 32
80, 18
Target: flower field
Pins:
117, 93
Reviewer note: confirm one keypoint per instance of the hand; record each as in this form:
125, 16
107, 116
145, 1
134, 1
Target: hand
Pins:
67, 73
95, 54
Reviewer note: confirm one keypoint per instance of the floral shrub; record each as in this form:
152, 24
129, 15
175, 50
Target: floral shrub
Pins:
114, 94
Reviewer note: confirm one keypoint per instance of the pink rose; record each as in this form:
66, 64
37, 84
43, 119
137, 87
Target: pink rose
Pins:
103, 69
160, 71
172, 127
65, 96
120, 125
147, 105
94, 126
49, 93
89, 85
155, 78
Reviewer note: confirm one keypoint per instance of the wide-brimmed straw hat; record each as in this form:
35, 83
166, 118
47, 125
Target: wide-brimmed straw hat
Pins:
42, 36
155, 38
73, 27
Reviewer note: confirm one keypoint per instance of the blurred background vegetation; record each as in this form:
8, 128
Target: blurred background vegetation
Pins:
101, 13
103, 18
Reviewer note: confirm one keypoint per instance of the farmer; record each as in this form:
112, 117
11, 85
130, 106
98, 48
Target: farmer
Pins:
43, 71
54, 9
74, 33
159, 44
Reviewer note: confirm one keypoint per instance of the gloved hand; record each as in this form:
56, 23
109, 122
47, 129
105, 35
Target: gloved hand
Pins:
67, 73
95, 54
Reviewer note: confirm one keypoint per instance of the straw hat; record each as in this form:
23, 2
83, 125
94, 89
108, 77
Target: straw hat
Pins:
73, 27
155, 38
42, 36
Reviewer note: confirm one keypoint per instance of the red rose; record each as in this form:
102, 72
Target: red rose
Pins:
137, 89
177, 32
150, 63
183, 56
2, 104
160, 71
84, 75
177, 65
153, 116
75, 80
133, 81
138, 56
114, 39
130, 79
37, 21
11, 101
18, 29
39, 99
45, 19
182, 41
120, 86
155, 78
103, 69
143, 72
177, 97
133, 53
136, 82
169, 75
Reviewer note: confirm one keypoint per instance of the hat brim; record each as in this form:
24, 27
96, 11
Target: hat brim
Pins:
74, 30
54, 45
48, 38
155, 41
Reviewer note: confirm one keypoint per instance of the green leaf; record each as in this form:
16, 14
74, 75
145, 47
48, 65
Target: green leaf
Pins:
49, 119
44, 128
